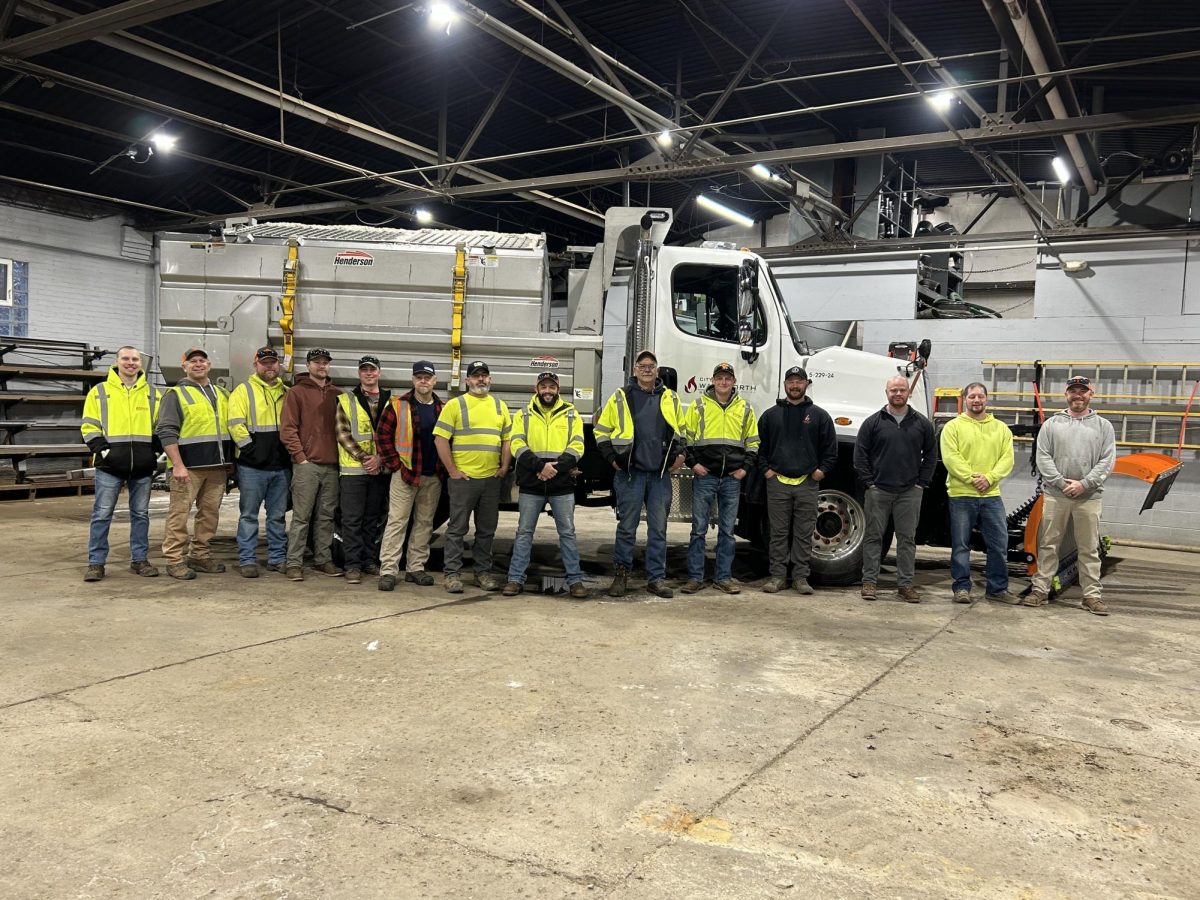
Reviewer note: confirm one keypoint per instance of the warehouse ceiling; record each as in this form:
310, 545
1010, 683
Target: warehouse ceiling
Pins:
540, 114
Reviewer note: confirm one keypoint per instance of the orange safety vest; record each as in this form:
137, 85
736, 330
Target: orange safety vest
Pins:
404, 430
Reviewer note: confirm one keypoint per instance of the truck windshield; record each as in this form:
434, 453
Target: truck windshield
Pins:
705, 302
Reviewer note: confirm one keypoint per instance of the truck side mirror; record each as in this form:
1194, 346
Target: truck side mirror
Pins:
670, 377
747, 297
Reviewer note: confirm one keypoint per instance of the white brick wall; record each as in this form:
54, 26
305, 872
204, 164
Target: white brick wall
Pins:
80, 288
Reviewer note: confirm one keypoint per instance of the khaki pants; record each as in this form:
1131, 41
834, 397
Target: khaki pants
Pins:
1084, 518
419, 500
204, 489
314, 501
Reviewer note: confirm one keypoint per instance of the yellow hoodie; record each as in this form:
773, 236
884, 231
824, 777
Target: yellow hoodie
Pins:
970, 447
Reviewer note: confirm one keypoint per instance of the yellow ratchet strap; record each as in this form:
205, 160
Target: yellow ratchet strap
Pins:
287, 304
459, 286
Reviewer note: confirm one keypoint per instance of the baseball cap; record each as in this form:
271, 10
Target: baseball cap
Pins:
267, 352
317, 353
547, 376
644, 354
1081, 381
476, 366
195, 351
723, 369
369, 361
795, 372
423, 367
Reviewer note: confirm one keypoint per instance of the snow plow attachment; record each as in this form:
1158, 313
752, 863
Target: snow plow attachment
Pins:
1156, 469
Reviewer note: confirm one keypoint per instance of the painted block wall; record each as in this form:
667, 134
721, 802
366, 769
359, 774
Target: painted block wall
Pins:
81, 288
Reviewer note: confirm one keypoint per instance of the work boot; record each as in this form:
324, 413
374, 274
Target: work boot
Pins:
279, 567
1004, 597
908, 594
371, 569
387, 582
489, 582
619, 583
329, 569
963, 597
774, 585
143, 568
660, 589
728, 586
868, 590
250, 571
353, 576
803, 587
208, 566
94, 573
295, 573
1036, 598
453, 584
1095, 606
424, 579
691, 586
512, 589
182, 571
578, 591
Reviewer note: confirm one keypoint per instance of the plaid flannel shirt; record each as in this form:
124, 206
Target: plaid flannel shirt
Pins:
386, 441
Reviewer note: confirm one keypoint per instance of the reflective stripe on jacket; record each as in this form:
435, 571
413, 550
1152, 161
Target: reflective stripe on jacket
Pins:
543, 436
720, 438
204, 433
476, 432
614, 428
120, 420
360, 429
254, 408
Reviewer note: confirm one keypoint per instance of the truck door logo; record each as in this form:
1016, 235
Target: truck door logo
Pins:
690, 387
354, 258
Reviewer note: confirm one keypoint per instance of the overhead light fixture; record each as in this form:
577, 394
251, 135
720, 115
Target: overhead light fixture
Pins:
442, 16
758, 170
722, 210
1061, 170
424, 216
941, 100
665, 139
163, 143
139, 152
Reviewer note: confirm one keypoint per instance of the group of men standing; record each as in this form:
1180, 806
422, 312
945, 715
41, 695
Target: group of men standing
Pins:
385, 460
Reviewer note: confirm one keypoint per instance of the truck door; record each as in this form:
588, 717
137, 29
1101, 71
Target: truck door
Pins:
716, 316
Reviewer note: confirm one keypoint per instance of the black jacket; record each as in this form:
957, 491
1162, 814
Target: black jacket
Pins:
796, 438
893, 456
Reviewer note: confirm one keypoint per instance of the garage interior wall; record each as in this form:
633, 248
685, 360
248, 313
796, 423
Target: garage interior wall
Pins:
83, 283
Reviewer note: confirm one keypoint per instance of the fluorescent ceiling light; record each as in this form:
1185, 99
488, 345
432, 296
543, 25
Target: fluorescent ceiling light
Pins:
424, 216
761, 171
941, 101
163, 143
1061, 170
664, 138
442, 16
722, 210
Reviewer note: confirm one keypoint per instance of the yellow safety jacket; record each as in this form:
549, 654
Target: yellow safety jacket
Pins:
543, 435
720, 438
204, 434
360, 429
614, 428
476, 428
118, 426
254, 408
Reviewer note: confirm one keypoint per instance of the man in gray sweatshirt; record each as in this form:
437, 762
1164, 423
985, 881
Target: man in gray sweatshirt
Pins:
1076, 450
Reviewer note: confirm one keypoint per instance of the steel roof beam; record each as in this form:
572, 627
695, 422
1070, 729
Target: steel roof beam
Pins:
96, 24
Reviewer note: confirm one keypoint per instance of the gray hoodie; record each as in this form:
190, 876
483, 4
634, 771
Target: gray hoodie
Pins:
1080, 449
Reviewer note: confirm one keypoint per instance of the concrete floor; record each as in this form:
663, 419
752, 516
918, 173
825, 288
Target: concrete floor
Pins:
231, 738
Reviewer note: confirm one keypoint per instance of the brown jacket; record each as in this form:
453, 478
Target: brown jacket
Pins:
307, 423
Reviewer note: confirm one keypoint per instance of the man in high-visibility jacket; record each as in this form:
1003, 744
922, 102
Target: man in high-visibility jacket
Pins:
722, 437
193, 425
118, 427
547, 444
640, 434
363, 481
264, 467
472, 437
405, 443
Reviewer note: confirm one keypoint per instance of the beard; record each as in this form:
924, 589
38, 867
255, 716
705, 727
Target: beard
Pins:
480, 390
547, 401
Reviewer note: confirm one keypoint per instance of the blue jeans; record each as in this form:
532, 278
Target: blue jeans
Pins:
635, 489
724, 492
562, 507
108, 488
986, 513
254, 487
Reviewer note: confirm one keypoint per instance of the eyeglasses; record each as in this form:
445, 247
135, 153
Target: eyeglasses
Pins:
649, 367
